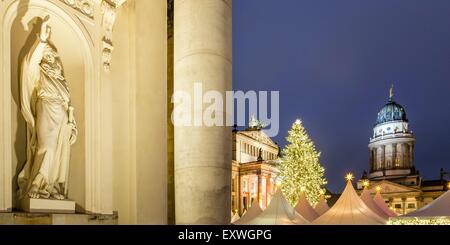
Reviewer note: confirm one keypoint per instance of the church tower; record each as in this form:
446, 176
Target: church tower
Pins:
392, 146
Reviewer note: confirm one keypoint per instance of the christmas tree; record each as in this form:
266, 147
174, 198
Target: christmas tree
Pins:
300, 167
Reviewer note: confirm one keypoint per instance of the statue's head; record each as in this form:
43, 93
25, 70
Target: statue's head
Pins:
50, 55
51, 62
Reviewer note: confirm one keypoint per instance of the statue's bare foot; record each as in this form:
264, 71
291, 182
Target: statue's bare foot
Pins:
34, 192
58, 196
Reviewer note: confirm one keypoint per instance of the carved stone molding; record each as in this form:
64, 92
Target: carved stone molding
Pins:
107, 54
86, 7
108, 12
109, 8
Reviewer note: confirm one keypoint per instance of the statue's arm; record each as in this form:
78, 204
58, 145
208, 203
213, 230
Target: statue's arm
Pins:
33, 59
29, 80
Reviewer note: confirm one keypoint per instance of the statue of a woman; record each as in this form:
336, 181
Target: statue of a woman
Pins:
51, 127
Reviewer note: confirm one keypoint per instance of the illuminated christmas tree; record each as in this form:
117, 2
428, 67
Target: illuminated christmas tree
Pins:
300, 167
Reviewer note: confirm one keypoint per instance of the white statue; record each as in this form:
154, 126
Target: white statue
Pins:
51, 127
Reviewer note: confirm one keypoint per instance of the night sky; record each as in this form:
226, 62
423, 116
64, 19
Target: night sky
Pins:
333, 63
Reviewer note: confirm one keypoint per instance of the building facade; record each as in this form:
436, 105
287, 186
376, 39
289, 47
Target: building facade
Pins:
391, 164
254, 168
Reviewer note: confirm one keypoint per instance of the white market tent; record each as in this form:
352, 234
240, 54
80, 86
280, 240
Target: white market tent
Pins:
438, 208
368, 200
322, 206
349, 210
252, 212
379, 200
235, 217
304, 208
279, 212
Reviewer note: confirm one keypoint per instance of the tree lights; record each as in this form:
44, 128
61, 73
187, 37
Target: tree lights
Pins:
300, 167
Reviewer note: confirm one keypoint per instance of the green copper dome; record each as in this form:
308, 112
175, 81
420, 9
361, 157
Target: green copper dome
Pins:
391, 112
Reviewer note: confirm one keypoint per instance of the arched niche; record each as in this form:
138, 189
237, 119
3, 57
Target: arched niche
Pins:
21, 21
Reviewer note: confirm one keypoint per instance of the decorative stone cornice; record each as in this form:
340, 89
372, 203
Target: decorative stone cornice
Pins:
108, 12
85, 7
109, 9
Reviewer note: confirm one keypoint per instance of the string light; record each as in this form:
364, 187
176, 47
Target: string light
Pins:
378, 188
300, 167
419, 221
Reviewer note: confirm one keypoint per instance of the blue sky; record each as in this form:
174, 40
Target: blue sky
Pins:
333, 63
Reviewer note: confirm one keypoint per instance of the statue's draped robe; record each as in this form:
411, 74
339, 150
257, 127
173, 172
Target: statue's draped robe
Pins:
45, 102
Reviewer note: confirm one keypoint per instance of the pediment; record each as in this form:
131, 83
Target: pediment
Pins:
259, 136
391, 187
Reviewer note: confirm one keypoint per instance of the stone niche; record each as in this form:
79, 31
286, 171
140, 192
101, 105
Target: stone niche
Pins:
72, 36
114, 54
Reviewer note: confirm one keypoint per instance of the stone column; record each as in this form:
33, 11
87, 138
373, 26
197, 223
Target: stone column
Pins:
383, 157
406, 163
241, 195
375, 159
394, 155
402, 156
203, 54
259, 194
237, 192
403, 205
411, 155
268, 186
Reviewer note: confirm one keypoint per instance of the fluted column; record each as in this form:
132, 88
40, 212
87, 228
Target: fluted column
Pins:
403, 155
394, 155
203, 54
406, 156
375, 159
411, 155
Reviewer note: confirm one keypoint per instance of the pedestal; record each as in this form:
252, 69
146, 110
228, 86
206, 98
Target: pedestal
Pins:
32, 205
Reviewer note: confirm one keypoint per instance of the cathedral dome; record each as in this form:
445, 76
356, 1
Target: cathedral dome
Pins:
391, 112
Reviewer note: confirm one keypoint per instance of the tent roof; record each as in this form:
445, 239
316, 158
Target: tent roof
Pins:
349, 210
322, 206
304, 208
368, 200
279, 212
251, 213
235, 218
439, 207
379, 200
